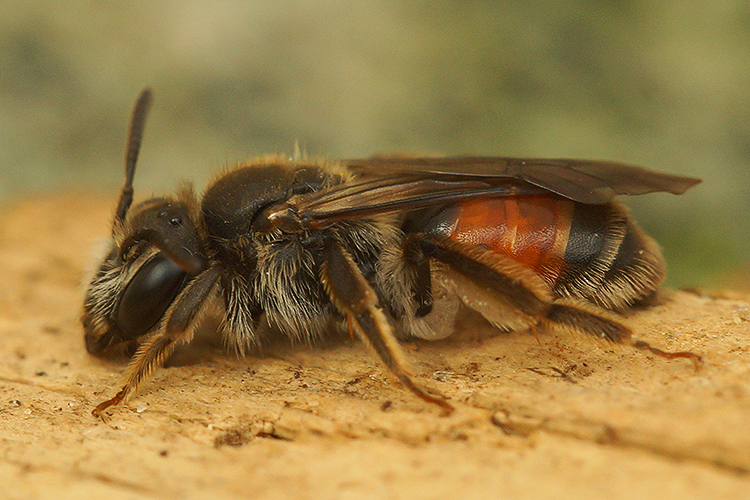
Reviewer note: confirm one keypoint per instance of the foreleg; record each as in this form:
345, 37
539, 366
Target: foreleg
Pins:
176, 327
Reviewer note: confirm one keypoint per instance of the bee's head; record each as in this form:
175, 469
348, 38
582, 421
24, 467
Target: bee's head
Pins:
153, 252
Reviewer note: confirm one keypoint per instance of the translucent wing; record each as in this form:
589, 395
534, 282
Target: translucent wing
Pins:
391, 184
580, 180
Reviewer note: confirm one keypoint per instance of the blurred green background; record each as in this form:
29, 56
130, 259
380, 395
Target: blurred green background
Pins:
663, 84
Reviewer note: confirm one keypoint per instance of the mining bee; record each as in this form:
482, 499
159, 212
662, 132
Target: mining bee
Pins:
388, 248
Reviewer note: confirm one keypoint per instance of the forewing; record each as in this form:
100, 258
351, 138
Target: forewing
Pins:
397, 184
580, 180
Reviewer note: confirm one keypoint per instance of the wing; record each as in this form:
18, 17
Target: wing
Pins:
396, 184
580, 180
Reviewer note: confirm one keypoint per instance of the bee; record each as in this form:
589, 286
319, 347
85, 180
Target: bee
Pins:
389, 248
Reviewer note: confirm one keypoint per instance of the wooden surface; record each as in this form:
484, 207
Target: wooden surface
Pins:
567, 418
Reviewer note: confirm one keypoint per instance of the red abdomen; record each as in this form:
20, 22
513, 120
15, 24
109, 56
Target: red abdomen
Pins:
594, 252
532, 230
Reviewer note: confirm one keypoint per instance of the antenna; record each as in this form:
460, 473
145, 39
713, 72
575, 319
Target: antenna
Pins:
135, 133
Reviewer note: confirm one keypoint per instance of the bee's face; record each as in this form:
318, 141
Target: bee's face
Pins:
137, 280
126, 300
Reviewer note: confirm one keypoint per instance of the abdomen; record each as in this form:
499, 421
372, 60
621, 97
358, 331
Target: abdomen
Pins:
590, 252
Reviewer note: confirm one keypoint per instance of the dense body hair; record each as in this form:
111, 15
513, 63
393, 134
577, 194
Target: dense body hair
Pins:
595, 255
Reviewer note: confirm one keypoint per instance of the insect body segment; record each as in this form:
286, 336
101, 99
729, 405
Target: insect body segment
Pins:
387, 248
583, 251
531, 230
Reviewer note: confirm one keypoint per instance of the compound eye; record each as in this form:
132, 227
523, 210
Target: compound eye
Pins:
148, 295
